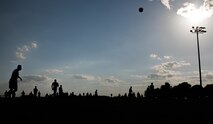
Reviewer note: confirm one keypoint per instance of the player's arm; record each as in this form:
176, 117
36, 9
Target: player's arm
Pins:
20, 78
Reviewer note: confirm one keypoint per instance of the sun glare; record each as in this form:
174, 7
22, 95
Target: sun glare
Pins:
193, 14
197, 15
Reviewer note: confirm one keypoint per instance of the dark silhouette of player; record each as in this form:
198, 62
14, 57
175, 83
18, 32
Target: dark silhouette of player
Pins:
23, 94
152, 87
96, 92
13, 82
6, 94
54, 87
35, 91
130, 92
60, 90
39, 94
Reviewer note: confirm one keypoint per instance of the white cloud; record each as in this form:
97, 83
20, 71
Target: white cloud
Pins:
167, 57
173, 70
208, 4
170, 65
209, 75
154, 56
167, 70
21, 52
54, 71
137, 76
34, 44
166, 3
189, 10
20, 55
40, 79
83, 77
108, 81
158, 76
111, 81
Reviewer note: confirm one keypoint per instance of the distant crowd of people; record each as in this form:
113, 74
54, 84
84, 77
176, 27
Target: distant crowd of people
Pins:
183, 90
56, 88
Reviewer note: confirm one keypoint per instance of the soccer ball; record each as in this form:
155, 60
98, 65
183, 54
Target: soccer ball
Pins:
140, 9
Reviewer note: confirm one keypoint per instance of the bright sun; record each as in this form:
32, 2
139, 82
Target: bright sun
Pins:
194, 14
197, 15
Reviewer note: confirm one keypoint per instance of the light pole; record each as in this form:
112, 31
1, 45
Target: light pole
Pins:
198, 30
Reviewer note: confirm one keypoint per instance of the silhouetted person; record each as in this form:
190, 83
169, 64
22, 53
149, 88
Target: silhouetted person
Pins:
31, 94
39, 94
125, 95
87, 94
96, 92
149, 92
72, 94
60, 89
35, 91
13, 83
130, 92
47, 95
22, 93
165, 90
54, 87
209, 90
79, 94
6, 94
197, 91
138, 95
151, 87
182, 90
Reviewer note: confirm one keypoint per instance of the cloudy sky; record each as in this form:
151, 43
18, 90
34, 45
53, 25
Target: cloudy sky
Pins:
106, 45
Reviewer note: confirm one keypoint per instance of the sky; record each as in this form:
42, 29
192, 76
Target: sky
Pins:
106, 45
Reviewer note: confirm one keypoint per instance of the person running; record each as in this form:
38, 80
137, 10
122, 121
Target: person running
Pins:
13, 82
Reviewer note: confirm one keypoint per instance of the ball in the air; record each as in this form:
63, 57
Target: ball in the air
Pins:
140, 9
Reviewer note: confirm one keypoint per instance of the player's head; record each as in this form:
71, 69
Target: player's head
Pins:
19, 67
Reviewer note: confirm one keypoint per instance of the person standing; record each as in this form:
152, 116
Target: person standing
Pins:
130, 92
54, 87
60, 90
35, 91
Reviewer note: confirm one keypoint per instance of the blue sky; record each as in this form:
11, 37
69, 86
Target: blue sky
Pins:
103, 44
